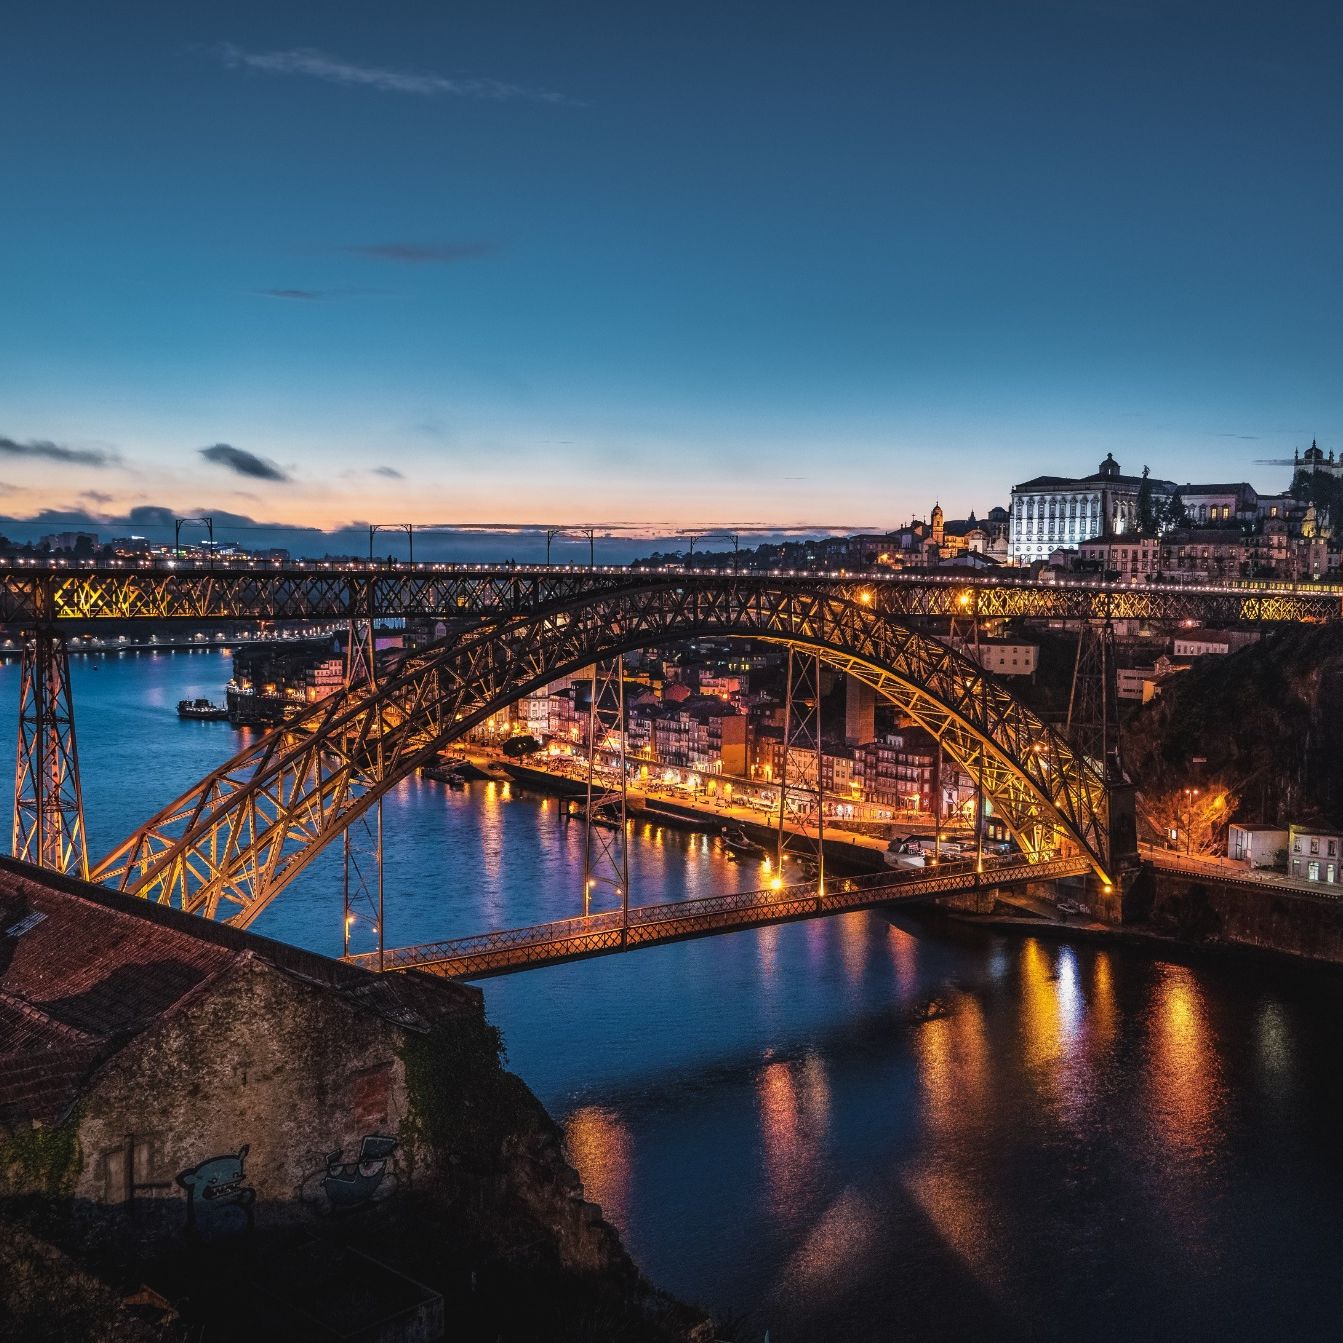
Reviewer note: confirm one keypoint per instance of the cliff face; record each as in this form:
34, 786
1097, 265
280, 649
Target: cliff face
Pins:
1266, 719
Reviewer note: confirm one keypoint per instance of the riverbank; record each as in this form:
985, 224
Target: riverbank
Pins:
855, 852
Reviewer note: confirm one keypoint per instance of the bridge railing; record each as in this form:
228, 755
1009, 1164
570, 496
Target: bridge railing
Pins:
570, 938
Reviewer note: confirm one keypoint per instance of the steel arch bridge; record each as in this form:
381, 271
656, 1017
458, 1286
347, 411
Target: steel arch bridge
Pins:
236, 840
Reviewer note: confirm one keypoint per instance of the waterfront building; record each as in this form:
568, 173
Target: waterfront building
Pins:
1214, 643
1256, 845
1314, 854
1053, 512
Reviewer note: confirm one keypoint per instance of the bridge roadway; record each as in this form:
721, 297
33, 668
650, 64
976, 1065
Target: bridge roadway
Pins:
188, 590
543, 944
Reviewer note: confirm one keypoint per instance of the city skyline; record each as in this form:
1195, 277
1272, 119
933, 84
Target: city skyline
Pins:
315, 268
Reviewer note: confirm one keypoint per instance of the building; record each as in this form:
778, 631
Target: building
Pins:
1213, 554
1256, 845
1209, 505
1130, 556
1000, 657
1205, 643
1053, 512
84, 542
1314, 854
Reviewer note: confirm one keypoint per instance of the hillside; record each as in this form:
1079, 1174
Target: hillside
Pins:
1267, 719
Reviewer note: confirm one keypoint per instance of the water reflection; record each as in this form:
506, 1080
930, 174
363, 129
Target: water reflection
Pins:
1185, 1085
794, 1103
600, 1146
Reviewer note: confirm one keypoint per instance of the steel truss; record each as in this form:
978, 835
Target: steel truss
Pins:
801, 822
233, 842
48, 802
1093, 703
606, 866
214, 594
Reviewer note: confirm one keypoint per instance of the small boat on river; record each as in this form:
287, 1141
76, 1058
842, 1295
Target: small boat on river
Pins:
201, 710
736, 840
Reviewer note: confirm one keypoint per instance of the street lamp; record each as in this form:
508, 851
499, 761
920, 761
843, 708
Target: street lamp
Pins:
1189, 795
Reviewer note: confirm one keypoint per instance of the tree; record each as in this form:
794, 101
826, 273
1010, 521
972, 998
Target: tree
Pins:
1191, 819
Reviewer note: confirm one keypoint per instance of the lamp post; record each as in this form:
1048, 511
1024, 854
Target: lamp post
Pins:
1189, 795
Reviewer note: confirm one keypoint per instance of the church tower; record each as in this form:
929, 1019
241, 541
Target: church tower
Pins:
938, 532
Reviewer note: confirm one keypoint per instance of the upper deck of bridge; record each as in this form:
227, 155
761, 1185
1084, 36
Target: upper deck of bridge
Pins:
325, 590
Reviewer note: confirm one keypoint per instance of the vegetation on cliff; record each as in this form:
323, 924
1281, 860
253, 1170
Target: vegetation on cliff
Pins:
1265, 721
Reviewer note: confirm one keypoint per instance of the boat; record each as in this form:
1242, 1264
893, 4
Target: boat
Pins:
201, 710
442, 773
736, 840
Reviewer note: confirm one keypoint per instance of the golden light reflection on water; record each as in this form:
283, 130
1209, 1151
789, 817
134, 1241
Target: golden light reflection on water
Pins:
794, 1100
955, 1068
905, 958
853, 929
1041, 1018
601, 1149
838, 1247
1185, 1071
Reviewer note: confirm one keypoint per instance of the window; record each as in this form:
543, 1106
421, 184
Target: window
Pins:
1330, 874
1333, 848
1312, 871
1314, 846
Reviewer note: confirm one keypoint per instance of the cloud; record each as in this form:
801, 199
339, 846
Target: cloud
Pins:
243, 462
389, 471
1248, 438
314, 64
415, 255
58, 452
305, 295
96, 497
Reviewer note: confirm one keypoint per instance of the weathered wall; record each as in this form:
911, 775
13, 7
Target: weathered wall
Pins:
261, 1059
1248, 914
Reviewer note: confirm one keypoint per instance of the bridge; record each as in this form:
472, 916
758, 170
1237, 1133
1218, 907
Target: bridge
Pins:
68, 596
232, 843
565, 940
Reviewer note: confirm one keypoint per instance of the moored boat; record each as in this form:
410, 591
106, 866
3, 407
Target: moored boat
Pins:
201, 710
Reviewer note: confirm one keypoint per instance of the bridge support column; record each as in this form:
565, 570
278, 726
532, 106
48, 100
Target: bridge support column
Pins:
48, 800
801, 771
605, 837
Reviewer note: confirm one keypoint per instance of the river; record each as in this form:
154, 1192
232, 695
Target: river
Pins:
1093, 1144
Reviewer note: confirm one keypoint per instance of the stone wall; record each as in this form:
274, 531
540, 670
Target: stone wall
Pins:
1248, 914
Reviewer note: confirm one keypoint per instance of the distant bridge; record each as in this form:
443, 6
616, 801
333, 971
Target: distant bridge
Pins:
68, 596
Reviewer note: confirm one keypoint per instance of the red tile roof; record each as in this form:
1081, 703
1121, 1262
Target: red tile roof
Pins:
83, 970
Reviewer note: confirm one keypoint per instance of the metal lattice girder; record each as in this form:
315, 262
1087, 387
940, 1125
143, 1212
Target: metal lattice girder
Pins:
1093, 702
801, 820
48, 802
267, 593
606, 866
233, 842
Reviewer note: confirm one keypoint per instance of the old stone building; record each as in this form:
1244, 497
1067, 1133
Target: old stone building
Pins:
167, 1083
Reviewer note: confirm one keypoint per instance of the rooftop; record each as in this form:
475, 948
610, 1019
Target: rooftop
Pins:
84, 970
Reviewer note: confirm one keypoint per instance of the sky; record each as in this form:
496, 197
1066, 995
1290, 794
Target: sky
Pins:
770, 264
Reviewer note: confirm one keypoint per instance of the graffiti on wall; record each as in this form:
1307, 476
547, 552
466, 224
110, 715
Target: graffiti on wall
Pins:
341, 1185
218, 1198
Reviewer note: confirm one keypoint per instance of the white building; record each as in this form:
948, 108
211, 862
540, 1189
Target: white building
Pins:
1255, 845
1052, 512
1001, 657
1313, 854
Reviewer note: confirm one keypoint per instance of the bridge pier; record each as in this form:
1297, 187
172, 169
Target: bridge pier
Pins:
48, 801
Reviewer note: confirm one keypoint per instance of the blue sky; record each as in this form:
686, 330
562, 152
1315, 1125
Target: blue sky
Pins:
765, 264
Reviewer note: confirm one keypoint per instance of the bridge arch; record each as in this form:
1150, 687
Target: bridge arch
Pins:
231, 844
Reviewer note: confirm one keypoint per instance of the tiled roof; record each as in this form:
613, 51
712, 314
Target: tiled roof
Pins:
83, 970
